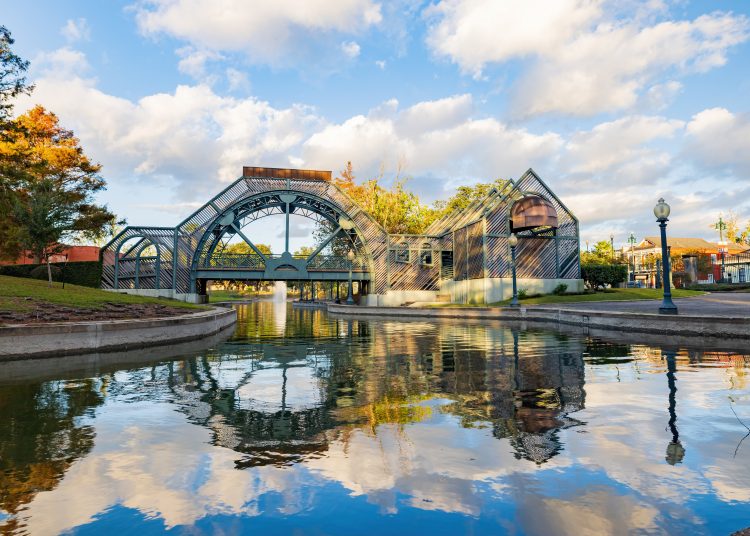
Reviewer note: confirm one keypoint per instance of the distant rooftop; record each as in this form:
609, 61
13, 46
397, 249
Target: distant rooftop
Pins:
699, 244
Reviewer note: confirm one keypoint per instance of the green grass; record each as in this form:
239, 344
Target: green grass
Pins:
229, 295
617, 294
14, 292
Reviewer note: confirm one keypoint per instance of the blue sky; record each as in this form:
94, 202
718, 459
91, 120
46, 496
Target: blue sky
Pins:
613, 103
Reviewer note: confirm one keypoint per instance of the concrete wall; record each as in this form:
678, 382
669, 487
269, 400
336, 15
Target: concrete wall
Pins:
70, 338
162, 293
491, 290
714, 328
395, 298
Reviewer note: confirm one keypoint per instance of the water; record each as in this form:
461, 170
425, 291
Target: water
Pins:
307, 424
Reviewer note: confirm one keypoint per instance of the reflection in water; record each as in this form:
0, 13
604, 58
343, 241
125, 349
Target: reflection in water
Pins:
318, 424
675, 450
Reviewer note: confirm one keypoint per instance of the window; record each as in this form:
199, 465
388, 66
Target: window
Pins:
743, 277
425, 256
402, 253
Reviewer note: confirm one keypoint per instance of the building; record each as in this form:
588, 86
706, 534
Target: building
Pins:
69, 254
465, 256
693, 259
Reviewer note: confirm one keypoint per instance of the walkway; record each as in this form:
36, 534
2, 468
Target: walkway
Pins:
736, 304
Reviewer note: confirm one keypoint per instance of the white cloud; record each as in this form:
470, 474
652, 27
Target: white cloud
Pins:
719, 139
437, 138
191, 137
237, 80
350, 48
76, 30
266, 30
583, 60
61, 63
193, 61
381, 64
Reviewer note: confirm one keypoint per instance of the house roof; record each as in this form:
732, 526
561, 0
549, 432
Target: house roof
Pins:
699, 244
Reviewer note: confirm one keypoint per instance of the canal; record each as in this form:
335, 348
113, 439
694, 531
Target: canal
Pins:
306, 423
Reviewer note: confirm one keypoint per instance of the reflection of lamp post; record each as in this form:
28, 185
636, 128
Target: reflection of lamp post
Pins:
661, 211
350, 296
675, 450
513, 242
612, 245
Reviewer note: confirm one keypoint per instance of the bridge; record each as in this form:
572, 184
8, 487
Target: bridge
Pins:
465, 254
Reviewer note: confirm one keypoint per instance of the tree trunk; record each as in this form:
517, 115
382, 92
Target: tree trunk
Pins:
49, 273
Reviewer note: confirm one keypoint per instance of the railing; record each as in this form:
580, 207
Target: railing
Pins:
251, 261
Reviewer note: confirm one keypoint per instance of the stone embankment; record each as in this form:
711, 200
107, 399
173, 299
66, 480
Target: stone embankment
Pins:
72, 338
708, 325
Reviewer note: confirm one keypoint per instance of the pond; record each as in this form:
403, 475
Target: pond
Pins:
306, 423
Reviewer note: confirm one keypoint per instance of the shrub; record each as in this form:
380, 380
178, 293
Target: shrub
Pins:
40, 272
560, 289
86, 274
523, 294
598, 275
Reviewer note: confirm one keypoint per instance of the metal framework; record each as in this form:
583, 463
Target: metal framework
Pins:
471, 244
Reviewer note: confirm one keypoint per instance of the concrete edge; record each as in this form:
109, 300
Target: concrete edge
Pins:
75, 338
683, 325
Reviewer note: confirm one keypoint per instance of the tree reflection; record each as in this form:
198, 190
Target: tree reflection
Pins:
40, 438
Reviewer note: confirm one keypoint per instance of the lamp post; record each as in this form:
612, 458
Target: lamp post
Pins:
631, 241
612, 245
661, 211
722, 252
513, 242
350, 295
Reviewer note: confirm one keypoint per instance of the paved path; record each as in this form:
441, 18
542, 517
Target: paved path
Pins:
716, 304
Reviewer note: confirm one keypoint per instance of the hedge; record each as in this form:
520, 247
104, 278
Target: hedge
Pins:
598, 275
86, 274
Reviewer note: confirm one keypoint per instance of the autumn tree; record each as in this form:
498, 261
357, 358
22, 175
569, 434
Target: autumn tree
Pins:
52, 193
243, 248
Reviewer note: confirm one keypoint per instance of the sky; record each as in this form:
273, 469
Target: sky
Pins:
613, 103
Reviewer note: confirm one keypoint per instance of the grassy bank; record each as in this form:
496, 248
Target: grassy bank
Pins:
234, 295
20, 294
617, 294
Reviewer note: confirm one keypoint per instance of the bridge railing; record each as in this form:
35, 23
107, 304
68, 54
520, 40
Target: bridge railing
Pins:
251, 261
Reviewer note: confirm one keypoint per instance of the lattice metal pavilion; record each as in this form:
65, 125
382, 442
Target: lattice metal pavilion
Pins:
465, 256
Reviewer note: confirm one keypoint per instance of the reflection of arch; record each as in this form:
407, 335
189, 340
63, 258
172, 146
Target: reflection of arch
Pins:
532, 211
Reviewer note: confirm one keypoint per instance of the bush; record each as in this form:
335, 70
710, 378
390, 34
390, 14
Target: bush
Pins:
560, 289
86, 274
523, 294
40, 272
598, 275
719, 287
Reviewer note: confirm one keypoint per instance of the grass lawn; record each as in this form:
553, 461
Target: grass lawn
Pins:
21, 294
617, 294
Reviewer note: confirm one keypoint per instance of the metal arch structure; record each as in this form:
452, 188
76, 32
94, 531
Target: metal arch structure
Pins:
469, 245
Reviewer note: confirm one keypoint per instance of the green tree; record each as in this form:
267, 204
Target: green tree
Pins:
12, 84
244, 249
466, 195
601, 254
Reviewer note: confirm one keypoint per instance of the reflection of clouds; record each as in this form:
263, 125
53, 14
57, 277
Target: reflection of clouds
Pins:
266, 388
595, 513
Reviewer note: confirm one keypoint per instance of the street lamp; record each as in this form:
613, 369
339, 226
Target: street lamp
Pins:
631, 241
661, 211
513, 242
612, 244
723, 251
350, 296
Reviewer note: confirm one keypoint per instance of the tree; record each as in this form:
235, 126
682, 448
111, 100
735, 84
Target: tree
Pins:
243, 249
466, 195
12, 84
52, 195
601, 254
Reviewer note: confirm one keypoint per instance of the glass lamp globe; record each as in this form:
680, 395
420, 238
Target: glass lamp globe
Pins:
513, 240
661, 210
350, 255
